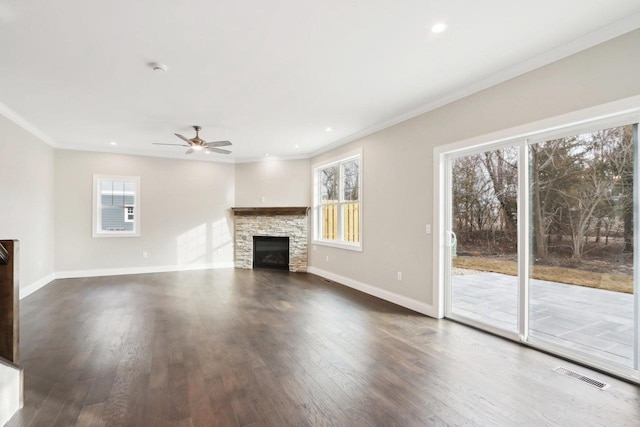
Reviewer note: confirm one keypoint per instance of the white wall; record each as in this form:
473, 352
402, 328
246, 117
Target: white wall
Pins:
280, 182
184, 204
10, 390
185, 219
26, 201
397, 162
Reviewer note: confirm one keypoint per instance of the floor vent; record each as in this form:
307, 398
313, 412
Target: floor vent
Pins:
593, 383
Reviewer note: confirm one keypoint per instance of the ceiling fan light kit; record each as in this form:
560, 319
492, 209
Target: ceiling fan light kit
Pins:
156, 66
198, 144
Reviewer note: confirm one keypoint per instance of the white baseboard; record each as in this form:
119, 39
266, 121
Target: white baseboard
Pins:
400, 300
41, 283
141, 270
38, 284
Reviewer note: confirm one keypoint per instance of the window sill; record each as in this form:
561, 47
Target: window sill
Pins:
108, 235
340, 245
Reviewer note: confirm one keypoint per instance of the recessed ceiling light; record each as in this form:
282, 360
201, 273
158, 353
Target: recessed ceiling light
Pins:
296, 146
328, 129
207, 152
113, 143
439, 27
266, 154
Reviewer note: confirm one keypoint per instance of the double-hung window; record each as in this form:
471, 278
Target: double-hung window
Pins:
338, 202
116, 209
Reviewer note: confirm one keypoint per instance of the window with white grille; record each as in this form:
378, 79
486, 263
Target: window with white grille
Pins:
338, 202
116, 206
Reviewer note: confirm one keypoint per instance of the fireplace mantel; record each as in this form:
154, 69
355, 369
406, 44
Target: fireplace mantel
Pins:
271, 211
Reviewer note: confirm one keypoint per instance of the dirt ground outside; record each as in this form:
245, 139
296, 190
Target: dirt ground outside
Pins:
592, 274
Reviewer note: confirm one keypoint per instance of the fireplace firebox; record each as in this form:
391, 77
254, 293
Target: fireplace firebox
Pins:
271, 252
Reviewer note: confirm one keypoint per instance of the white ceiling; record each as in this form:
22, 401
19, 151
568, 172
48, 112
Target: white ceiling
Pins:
270, 76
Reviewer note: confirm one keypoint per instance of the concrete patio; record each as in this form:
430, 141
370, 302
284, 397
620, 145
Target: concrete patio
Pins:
592, 321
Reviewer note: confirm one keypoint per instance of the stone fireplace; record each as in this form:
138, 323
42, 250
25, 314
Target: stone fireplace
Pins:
291, 222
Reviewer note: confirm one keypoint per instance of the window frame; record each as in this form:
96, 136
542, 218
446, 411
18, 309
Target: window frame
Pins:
317, 202
97, 232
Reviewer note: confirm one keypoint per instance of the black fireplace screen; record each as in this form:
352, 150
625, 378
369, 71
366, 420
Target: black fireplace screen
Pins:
271, 252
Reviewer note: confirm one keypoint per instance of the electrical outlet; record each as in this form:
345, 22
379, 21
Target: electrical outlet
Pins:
427, 229
399, 275
314, 247
145, 254
327, 258
220, 251
263, 199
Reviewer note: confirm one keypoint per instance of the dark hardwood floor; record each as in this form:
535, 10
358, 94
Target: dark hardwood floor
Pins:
268, 348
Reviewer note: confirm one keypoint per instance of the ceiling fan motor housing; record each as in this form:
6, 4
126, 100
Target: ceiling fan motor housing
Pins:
196, 143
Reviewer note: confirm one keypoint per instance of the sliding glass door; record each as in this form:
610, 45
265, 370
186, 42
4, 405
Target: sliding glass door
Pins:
541, 238
581, 280
484, 238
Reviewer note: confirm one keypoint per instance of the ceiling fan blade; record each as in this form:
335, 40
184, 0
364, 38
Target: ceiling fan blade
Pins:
217, 150
185, 139
178, 145
218, 143
189, 151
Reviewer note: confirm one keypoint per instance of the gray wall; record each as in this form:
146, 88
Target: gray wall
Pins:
280, 182
26, 200
398, 176
184, 213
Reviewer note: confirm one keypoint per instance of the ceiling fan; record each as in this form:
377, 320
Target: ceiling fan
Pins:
198, 144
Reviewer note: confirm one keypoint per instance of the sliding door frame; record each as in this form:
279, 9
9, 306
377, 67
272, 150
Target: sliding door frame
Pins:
448, 158
523, 136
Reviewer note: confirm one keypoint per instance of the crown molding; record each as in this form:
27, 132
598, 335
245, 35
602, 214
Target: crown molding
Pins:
24, 124
594, 38
587, 41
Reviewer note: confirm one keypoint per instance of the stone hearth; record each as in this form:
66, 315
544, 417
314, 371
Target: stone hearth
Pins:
289, 222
